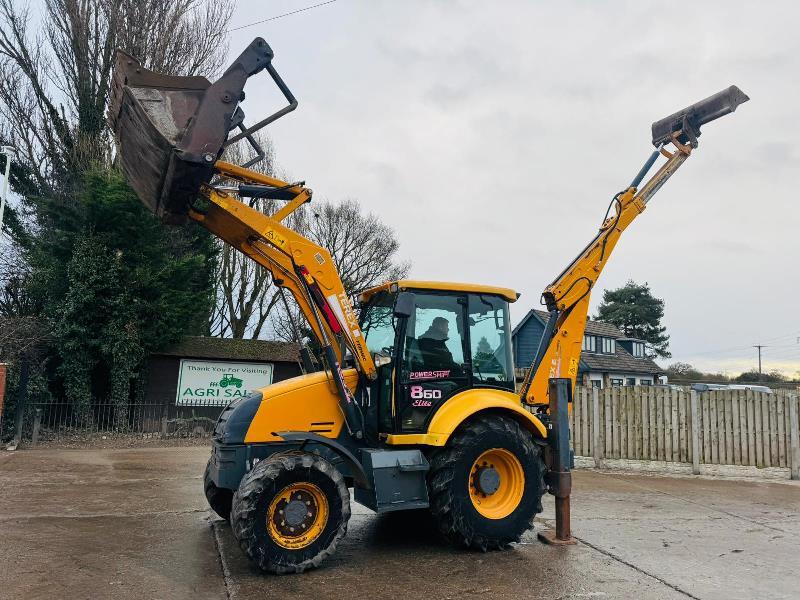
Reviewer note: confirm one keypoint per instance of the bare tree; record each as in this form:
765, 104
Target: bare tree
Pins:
55, 82
20, 336
14, 271
363, 248
364, 251
244, 294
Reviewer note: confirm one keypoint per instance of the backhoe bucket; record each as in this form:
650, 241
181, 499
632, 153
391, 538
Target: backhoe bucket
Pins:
685, 124
170, 130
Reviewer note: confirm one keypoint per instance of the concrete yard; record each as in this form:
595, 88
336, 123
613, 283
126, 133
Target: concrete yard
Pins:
134, 524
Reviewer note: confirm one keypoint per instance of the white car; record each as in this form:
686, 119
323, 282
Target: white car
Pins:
746, 386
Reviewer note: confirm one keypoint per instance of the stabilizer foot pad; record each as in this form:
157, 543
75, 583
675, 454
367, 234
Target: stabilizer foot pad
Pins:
549, 537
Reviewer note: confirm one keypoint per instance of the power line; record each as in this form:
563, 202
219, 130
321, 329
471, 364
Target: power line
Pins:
276, 17
745, 347
792, 345
780, 337
784, 354
786, 346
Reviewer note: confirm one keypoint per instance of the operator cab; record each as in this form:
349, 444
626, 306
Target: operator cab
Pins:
431, 341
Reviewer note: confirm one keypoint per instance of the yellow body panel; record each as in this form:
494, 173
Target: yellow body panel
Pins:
304, 403
462, 406
447, 286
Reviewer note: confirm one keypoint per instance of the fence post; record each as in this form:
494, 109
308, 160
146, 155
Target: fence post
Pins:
597, 426
164, 421
693, 400
794, 451
37, 423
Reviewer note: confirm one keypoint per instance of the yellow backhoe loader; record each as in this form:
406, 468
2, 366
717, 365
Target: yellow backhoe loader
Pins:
414, 404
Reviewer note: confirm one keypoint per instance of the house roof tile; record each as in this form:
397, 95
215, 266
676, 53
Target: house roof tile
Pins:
230, 349
620, 362
592, 327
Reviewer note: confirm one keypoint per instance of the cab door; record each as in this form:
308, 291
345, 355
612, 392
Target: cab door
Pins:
434, 359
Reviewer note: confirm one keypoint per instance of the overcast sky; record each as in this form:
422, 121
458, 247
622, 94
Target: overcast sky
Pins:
491, 136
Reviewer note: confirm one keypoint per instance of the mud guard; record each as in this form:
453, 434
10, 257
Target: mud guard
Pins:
359, 474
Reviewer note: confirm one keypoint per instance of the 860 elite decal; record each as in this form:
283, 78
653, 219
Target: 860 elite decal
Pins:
423, 397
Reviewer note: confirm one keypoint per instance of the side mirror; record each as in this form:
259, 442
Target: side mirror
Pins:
404, 305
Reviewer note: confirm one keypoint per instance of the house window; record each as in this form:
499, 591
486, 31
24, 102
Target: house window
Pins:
597, 383
630, 381
645, 382
608, 346
638, 349
616, 383
589, 343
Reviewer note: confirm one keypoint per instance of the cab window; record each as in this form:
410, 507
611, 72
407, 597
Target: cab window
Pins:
435, 334
489, 341
378, 324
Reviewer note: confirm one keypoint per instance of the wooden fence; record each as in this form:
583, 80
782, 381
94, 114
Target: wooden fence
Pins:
724, 427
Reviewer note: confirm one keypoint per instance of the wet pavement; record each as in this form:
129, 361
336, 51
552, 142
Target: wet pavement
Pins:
134, 524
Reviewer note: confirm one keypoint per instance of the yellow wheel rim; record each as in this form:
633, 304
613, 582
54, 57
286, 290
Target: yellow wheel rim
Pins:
297, 515
496, 483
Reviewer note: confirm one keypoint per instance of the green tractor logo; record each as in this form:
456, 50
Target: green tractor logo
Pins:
229, 379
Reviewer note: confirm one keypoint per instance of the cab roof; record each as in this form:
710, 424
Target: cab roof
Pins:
445, 286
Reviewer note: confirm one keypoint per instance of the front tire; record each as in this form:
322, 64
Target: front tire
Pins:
290, 512
486, 485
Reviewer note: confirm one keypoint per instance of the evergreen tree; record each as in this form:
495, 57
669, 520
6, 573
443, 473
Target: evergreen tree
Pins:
483, 346
634, 310
116, 284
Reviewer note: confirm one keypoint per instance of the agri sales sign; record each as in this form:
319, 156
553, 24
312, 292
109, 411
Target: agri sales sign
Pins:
213, 383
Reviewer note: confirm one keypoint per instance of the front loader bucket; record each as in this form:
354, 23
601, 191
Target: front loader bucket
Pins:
170, 130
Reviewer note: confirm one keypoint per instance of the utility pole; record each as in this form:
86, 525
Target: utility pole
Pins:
759, 359
8, 152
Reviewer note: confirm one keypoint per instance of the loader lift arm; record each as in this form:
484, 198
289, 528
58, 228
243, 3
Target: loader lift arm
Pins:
296, 264
567, 297
171, 132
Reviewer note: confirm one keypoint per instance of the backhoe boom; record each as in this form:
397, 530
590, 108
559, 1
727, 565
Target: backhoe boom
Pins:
567, 297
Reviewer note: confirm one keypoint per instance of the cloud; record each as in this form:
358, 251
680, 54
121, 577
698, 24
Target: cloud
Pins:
491, 137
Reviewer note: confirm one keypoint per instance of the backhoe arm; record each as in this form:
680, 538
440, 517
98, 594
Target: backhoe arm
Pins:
567, 297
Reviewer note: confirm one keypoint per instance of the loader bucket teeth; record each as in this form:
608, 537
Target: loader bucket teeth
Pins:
170, 130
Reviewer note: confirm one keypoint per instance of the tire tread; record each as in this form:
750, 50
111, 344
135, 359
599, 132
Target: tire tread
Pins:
244, 509
443, 493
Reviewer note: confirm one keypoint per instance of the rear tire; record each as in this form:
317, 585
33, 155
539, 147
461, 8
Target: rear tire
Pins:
265, 519
219, 499
466, 516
